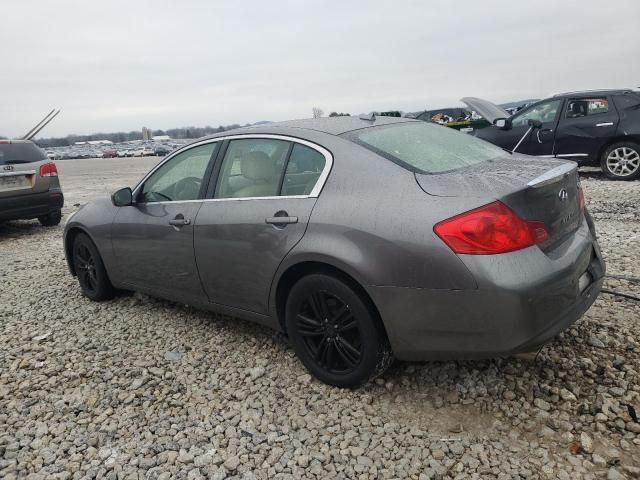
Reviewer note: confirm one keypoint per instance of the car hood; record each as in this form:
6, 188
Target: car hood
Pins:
490, 111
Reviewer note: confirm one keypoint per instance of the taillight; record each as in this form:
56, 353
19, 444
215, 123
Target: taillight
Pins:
490, 230
580, 198
48, 170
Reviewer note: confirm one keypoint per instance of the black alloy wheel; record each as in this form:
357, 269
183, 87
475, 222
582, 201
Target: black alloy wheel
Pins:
90, 270
330, 331
335, 331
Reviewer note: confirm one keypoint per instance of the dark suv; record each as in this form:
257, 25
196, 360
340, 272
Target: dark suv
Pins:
29, 185
600, 127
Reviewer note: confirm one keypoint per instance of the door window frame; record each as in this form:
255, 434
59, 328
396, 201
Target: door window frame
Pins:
530, 107
207, 173
315, 191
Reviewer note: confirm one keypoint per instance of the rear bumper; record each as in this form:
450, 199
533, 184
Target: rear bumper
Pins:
523, 300
31, 206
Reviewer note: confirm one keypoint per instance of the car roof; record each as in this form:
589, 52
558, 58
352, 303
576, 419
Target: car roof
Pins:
590, 93
328, 125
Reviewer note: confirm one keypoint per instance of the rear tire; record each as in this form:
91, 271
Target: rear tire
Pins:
92, 276
335, 332
51, 219
621, 161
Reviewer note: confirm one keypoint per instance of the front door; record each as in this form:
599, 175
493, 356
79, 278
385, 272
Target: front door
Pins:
586, 125
538, 141
153, 238
263, 199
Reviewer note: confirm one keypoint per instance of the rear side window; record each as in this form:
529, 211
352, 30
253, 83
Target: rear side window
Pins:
426, 148
303, 170
20, 153
582, 107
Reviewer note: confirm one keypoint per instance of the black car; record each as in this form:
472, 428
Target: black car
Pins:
600, 127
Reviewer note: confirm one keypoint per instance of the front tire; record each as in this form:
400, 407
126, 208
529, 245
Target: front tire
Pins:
52, 219
335, 332
621, 161
92, 276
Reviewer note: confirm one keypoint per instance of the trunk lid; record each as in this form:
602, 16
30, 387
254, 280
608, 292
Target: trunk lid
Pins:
490, 111
542, 189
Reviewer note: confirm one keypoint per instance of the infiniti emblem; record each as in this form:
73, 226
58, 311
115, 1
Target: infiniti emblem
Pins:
8, 167
563, 195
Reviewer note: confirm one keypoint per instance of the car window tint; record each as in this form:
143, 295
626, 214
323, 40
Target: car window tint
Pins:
180, 178
426, 147
252, 167
303, 170
545, 112
15, 153
627, 100
581, 107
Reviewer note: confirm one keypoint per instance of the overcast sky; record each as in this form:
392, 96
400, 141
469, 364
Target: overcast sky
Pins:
121, 65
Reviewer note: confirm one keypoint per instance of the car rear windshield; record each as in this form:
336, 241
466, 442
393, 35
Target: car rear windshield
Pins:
20, 153
424, 147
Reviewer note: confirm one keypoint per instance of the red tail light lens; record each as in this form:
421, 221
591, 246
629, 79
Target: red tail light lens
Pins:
490, 230
48, 170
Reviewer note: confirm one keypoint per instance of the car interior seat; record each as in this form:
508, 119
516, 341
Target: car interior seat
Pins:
259, 171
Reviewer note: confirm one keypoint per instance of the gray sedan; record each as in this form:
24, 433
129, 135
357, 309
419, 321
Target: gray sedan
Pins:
363, 239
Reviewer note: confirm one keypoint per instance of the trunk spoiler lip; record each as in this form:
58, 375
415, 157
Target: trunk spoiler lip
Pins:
553, 175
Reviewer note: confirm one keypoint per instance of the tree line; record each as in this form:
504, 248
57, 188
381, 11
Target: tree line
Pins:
117, 137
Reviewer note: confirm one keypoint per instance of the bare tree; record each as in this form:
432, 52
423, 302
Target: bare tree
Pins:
317, 112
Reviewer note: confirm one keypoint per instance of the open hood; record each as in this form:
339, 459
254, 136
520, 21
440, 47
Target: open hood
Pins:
490, 111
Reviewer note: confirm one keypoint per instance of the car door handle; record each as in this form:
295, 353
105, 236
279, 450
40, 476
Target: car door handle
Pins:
179, 222
280, 220
605, 124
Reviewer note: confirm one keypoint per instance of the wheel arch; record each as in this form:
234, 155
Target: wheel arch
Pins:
617, 139
69, 237
298, 270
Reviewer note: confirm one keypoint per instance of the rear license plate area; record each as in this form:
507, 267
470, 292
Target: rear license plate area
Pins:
14, 182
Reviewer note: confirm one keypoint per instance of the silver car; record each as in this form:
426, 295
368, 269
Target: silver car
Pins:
29, 184
363, 239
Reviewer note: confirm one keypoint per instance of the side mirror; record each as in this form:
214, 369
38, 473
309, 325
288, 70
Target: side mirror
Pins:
534, 123
123, 197
502, 123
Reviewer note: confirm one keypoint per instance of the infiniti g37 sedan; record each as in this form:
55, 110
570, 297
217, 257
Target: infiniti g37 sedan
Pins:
363, 239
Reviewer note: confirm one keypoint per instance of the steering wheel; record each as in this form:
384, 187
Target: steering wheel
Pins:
187, 187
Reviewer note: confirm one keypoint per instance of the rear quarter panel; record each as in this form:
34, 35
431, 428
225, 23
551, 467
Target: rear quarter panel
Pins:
373, 221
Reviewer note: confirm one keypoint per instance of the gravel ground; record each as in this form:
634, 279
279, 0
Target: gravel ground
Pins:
137, 388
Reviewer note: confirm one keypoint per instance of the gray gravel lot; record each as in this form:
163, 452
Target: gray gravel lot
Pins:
138, 388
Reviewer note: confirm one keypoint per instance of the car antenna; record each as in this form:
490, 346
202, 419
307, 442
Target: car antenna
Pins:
41, 124
370, 117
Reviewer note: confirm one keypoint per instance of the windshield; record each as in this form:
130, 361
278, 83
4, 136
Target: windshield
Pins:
426, 148
20, 153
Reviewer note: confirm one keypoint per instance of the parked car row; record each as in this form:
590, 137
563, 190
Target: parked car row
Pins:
125, 149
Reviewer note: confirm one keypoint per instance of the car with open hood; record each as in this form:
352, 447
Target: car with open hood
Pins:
599, 127
360, 238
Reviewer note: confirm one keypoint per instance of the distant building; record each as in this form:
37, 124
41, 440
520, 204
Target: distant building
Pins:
146, 134
161, 138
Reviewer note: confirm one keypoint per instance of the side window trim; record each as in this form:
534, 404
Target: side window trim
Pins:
216, 151
285, 167
315, 192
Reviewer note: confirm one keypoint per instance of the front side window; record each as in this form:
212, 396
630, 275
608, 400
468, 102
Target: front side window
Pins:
424, 147
252, 167
303, 170
582, 107
180, 178
545, 112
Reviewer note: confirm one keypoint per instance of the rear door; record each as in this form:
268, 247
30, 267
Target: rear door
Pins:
586, 125
152, 239
261, 202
